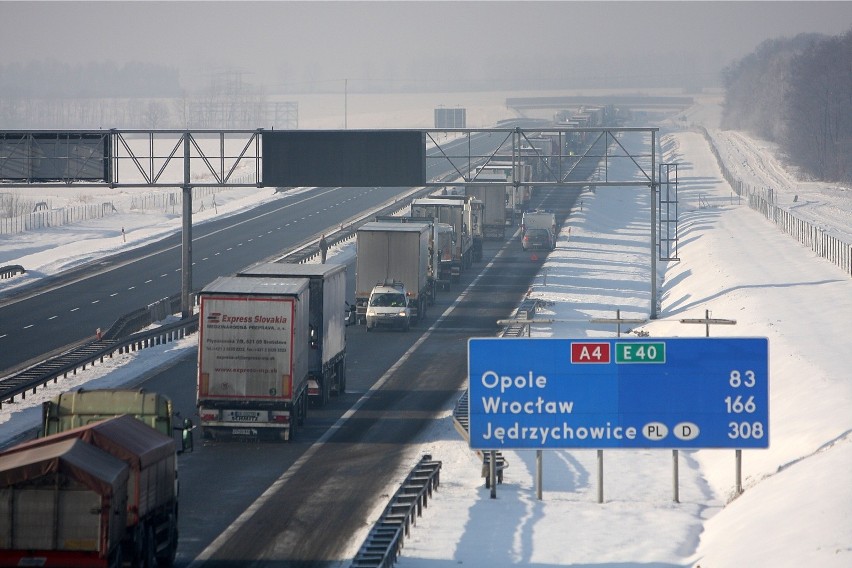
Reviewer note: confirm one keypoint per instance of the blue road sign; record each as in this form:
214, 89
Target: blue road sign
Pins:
619, 393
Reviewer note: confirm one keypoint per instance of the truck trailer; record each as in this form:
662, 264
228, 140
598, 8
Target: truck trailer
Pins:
62, 505
454, 212
440, 248
151, 535
327, 330
393, 252
493, 197
86, 406
253, 344
477, 214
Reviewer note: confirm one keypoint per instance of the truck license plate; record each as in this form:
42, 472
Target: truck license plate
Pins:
244, 432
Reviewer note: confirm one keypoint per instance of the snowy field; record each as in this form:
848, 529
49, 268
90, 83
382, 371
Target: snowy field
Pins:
796, 509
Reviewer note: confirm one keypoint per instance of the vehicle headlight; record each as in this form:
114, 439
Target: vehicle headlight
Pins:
402, 313
371, 312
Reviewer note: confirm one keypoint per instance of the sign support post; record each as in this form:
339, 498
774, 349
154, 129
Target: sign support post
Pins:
675, 488
600, 476
492, 472
738, 458
538, 475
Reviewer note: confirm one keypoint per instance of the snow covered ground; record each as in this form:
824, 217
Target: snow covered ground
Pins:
796, 509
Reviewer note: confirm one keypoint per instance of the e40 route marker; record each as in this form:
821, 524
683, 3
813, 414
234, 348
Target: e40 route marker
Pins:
618, 393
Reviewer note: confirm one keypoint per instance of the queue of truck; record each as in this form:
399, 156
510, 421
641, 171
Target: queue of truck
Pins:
99, 487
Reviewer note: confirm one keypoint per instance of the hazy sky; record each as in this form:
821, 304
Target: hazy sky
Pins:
281, 42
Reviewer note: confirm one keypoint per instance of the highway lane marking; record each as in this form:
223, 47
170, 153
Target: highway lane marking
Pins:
74, 309
118, 265
52, 317
250, 511
29, 326
113, 295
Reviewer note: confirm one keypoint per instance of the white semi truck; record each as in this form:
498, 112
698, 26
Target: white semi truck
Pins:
389, 253
253, 345
455, 212
327, 354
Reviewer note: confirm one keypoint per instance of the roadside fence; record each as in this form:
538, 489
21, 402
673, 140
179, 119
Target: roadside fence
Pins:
762, 200
43, 216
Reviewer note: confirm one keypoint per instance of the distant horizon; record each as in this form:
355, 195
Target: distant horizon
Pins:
303, 47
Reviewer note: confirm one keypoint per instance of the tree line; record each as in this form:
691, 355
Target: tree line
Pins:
797, 93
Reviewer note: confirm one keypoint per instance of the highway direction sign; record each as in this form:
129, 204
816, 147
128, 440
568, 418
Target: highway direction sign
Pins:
619, 393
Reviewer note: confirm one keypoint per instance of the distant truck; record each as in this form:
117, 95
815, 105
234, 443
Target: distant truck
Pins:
477, 214
147, 528
454, 212
327, 325
389, 252
440, 247
253, 360
442, 254
493, 197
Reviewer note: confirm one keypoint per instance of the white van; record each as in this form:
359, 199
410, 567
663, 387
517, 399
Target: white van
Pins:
388, 307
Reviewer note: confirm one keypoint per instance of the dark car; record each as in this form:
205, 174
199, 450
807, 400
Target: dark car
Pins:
538, 239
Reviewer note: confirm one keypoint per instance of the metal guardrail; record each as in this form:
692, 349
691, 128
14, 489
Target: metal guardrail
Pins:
68, 363
384, 542
11, 270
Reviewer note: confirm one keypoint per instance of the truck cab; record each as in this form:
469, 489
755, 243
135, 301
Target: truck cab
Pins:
388, 306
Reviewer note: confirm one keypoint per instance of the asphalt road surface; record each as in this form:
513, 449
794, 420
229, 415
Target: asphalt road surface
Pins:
301, 503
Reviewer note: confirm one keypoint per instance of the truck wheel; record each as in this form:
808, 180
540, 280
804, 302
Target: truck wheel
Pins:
167, 557
149, 550
117, 558
303, 407
290, 433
